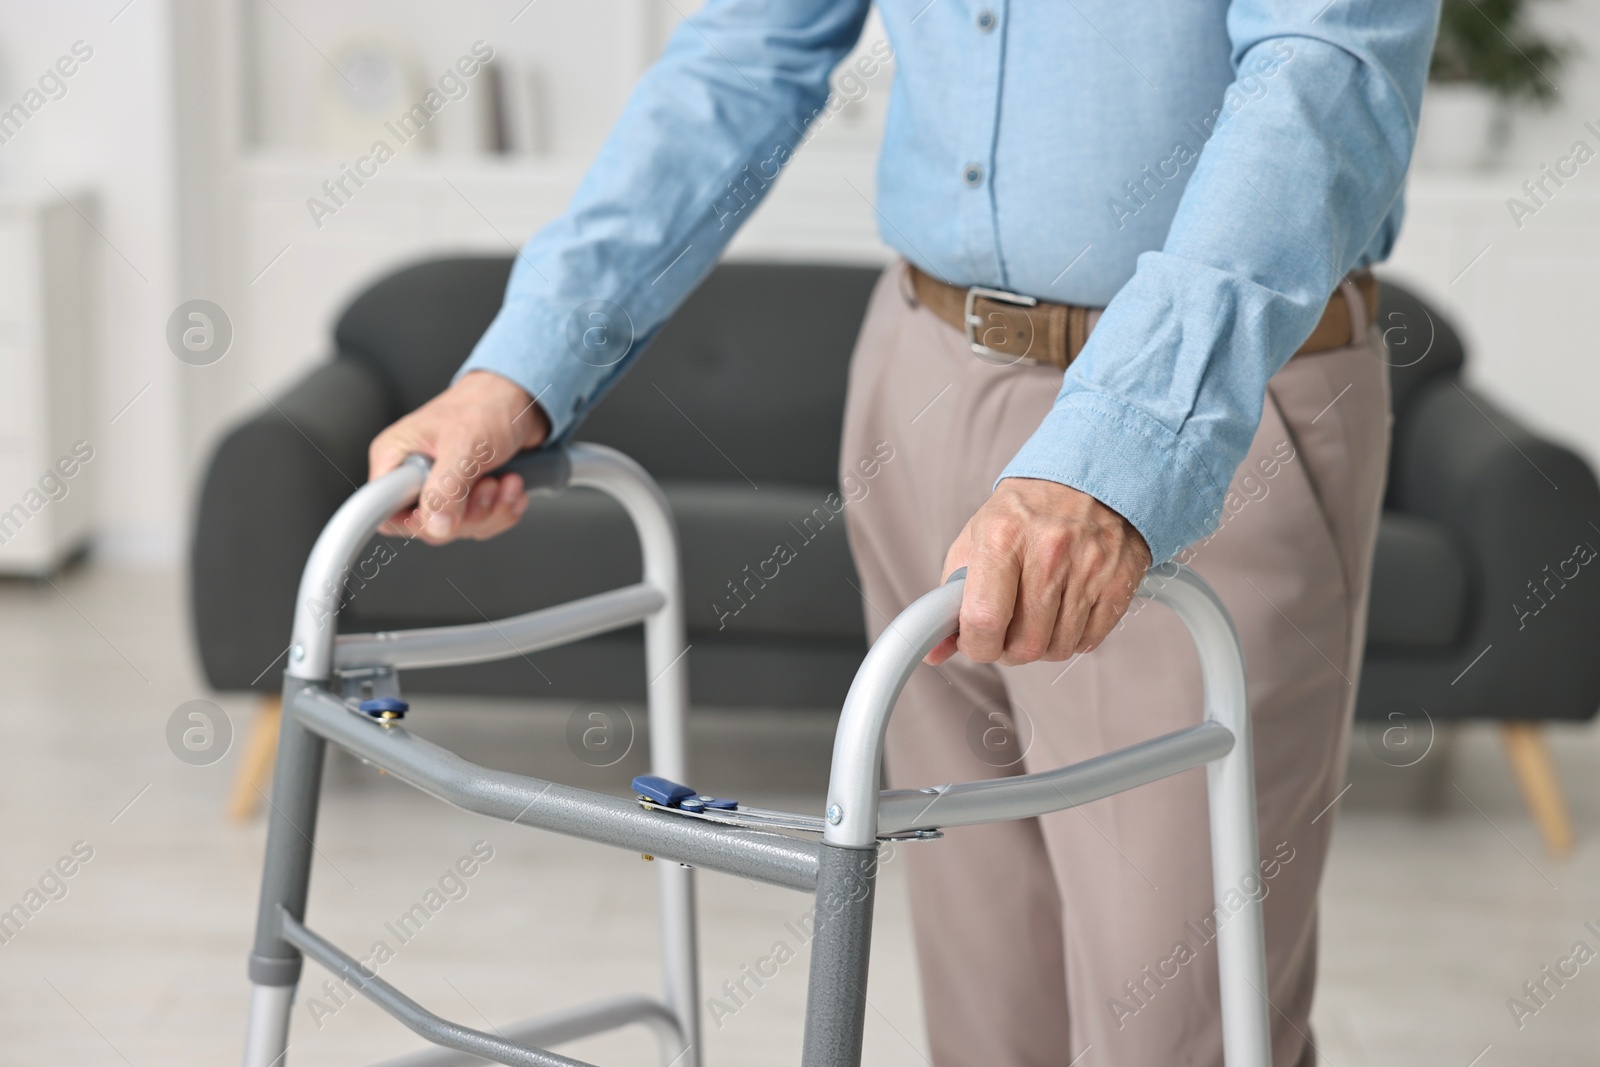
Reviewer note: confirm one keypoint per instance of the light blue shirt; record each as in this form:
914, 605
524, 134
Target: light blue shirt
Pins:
1206, 171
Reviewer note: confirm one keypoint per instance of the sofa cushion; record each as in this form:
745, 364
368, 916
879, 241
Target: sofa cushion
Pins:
767, 562
1419, 587
746, 382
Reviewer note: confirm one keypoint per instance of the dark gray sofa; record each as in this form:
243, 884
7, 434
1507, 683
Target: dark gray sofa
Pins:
736, 410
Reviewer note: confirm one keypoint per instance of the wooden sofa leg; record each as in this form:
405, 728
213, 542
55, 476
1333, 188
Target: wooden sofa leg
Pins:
251, 779
1535, 772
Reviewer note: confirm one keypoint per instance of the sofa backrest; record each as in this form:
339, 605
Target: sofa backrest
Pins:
747, 379
416, 326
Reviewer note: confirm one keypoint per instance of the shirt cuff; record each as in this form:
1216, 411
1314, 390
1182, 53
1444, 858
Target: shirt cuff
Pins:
1129, 462
525, 344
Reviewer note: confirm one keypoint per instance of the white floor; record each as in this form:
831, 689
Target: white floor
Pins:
1439, 905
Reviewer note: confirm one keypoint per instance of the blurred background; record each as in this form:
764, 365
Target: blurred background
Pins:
184, 255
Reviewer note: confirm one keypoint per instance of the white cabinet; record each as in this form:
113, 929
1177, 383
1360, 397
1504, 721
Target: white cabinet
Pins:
47, 453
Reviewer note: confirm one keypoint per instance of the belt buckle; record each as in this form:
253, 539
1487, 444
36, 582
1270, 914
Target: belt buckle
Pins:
972, 321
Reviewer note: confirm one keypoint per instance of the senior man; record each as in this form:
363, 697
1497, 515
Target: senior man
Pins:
1132, 322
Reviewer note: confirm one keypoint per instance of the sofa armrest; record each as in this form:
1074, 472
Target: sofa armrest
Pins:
1519, 506
271, 485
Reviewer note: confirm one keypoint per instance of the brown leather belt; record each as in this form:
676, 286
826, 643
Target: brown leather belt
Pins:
1011, 327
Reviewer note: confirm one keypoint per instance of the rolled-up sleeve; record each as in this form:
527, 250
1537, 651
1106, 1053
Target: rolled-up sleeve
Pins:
704, 135
1298, 185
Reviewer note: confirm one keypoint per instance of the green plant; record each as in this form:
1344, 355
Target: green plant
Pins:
1487, 43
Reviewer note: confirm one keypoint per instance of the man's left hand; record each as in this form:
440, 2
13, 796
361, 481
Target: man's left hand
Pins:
1050, 570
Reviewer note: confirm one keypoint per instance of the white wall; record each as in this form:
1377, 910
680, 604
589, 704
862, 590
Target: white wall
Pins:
111, 132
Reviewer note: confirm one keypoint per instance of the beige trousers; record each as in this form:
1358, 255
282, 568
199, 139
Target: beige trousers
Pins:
1087, 936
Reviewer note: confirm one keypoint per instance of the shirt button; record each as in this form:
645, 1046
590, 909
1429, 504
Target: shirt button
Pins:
972, 175
986, 20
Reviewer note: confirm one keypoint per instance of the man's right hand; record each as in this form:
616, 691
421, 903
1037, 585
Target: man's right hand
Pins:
471, 428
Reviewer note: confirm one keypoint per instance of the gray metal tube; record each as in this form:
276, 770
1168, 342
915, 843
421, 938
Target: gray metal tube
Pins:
446, 646
1028, 795
667, 696
841, 945
291, 828
858, 742
321, 582
563, 809
1230, 782
559, 1027
316, 605
417, 1018
275, 964
266, 1035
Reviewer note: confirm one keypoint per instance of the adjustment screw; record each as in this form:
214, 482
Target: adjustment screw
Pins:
835, 814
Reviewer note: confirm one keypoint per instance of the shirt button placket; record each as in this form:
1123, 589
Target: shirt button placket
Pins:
981, 113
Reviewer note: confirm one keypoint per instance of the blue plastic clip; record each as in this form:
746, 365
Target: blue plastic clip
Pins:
666, 793
670, 794
385, 708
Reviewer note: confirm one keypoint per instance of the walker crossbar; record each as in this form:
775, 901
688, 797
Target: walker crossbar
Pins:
595, 1017
439, 1031
449, 646
840, 868
564, 809
1025, 796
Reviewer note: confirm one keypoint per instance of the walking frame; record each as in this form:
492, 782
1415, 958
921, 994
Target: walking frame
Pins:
345, 690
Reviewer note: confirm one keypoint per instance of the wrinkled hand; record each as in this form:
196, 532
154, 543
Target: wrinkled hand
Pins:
471, 428
1050, 570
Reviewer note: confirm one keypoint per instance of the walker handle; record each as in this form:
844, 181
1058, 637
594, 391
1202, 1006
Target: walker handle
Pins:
543, 470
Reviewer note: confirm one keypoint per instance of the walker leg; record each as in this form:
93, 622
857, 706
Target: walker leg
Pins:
266, 1038
1241, 941
679, 962
666, 650
836, 997
292, 822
